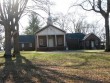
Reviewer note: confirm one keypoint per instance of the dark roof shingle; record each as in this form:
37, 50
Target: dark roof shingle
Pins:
75, 36
26, 38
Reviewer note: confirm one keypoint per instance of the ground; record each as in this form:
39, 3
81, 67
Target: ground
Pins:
56, 67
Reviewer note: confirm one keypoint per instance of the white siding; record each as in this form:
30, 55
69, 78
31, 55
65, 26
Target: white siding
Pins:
51, 31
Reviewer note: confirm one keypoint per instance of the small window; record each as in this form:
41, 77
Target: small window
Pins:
60, 41
30, 44
22, 45
41, 42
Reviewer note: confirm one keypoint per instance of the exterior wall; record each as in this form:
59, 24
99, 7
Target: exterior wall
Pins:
55, 34
88, 44
77, 44
51, 31
92, 38
27, 47
58, 41
74, 44
51, 48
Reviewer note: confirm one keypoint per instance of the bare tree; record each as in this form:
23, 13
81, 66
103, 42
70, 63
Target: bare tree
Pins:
60, 20
102, 7
10, 13
78, 25
1, 36
72, 23
45, 6
34, 24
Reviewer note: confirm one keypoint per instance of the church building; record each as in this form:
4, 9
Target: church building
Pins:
50, 37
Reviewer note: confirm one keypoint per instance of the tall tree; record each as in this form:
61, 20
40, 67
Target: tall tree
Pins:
102, 7
73, 22
61, 21
34, 24
44, 5
1, 36
10, 14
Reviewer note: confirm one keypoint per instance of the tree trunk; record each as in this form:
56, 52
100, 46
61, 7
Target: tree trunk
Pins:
16, 41
7, 42
16, 44
107, 48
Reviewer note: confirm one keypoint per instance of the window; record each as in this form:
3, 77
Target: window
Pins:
42, 42
60, 41
30, 44
22, 45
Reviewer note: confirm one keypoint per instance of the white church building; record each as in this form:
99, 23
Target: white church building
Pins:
50, 38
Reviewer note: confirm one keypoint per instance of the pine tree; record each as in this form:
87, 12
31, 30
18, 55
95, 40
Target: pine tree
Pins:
33, 24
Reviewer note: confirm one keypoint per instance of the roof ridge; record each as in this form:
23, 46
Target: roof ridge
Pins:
48, 26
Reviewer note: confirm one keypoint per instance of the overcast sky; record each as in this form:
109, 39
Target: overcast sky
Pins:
61, 6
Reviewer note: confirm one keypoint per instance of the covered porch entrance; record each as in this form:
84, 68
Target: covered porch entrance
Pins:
51, 42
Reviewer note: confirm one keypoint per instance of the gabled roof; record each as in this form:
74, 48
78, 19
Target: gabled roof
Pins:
75, 36
27, 38
89, 35
52, 26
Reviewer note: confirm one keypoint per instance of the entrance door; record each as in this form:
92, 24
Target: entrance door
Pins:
92, 44
51, 43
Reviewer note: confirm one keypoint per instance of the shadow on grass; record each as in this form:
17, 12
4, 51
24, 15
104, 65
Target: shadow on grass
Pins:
22, 70
88, 59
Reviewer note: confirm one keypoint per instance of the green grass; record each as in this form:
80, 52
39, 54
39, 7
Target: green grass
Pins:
86, 66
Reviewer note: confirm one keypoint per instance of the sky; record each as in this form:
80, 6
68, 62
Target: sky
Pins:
62, 6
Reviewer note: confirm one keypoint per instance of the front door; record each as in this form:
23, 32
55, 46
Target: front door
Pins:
92, 44
51, 42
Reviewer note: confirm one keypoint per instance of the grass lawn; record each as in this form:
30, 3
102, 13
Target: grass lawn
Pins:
56, 67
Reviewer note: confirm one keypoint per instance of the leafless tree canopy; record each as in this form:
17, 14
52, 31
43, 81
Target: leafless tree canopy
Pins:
99, 6
11, 9
10, 14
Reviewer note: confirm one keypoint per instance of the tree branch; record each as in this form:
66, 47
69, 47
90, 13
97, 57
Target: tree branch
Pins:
1, 22
100, 8
108, 6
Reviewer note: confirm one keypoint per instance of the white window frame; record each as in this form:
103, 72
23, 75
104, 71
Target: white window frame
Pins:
22, 45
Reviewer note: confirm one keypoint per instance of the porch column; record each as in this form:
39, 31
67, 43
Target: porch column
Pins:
37, 46
84, 44
55, 41
35, 42
64, 40
47, 40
